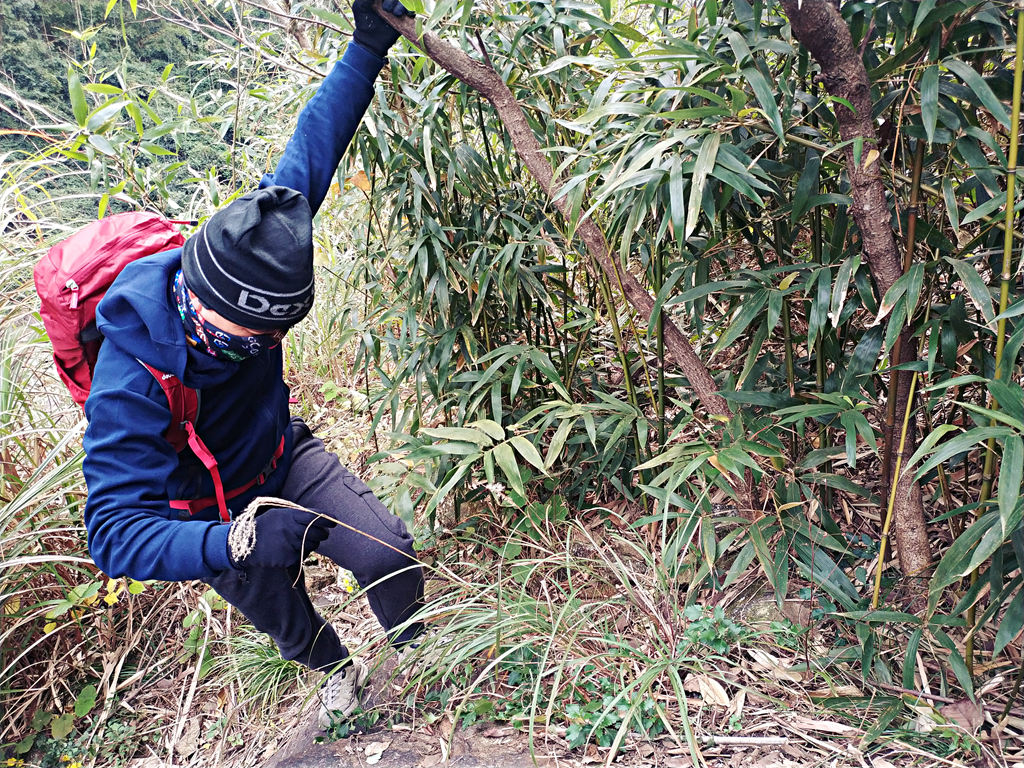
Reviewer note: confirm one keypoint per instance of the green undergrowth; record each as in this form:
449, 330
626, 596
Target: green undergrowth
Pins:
589, 637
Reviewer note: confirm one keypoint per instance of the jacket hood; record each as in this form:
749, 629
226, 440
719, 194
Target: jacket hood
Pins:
138, 314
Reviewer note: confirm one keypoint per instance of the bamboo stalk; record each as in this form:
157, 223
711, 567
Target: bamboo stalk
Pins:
1005, 277
897, 348
893, 486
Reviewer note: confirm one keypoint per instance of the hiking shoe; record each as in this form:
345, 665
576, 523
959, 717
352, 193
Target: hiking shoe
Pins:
339, 696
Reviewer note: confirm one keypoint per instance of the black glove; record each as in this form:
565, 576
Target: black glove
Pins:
372, 32
280, 538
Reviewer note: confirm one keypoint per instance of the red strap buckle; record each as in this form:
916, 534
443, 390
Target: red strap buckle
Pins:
220, 497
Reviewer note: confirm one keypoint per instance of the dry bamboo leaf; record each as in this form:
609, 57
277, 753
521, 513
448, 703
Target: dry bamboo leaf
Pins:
823, 726
839, 690
925, 720
360, 181
678, 762
736, 705
965, 713
710, 690
776, 667
592, 756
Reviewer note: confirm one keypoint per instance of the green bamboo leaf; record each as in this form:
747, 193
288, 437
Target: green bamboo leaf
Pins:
506, 461
702, 168
972, 548
543, 364
766, 97
817, 317
850, 429
460, 434
79, 106
750, 311
558, 442
102, 144
987, 208
149, 148
493, 429
1011, 474
952, 206
899, 288
977, 84
613, 109
694, 113
977, 291
863, 360
930, 101
956, 560
923, 9
1009, 395
104, 89
331, 17
980, 166
806, 186
1011, 624
910, 658
620, 50
449, 448
956, 661
136, 115
957, 445
677, 198
915, 282
528, 451
663, 295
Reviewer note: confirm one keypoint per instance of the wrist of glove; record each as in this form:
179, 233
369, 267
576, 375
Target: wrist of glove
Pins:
275, 537
372, 32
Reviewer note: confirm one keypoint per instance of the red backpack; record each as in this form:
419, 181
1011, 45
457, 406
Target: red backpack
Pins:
72, 278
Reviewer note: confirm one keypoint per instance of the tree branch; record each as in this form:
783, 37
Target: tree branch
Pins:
820, 28
490, 85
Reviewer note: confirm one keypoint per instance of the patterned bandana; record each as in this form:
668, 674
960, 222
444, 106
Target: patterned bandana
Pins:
214, 341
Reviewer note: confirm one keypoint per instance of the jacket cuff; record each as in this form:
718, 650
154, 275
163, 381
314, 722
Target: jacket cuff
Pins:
363, 59
215, 547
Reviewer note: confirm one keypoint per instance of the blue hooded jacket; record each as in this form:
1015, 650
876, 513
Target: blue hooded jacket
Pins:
131, 471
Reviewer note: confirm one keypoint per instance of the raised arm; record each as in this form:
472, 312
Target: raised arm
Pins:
328, 122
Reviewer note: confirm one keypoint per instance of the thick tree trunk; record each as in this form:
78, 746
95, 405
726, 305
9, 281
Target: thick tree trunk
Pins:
489, 84
820, 28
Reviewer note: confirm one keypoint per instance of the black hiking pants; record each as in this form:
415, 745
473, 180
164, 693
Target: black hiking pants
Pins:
379, 553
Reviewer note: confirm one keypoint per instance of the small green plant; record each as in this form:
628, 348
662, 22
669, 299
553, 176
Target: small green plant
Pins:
598, 719
710, 628
360, 721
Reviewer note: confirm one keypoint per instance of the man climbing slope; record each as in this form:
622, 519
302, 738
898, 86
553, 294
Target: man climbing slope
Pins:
214, 313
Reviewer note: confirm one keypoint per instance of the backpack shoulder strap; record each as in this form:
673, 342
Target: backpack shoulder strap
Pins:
184, 403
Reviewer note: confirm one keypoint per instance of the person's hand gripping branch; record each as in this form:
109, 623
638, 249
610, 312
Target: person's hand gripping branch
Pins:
372, 32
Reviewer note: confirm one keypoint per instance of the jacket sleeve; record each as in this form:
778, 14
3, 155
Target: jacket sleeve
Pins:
326, 125
131, 529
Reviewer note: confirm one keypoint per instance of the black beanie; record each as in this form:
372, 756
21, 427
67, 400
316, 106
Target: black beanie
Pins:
252, 261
